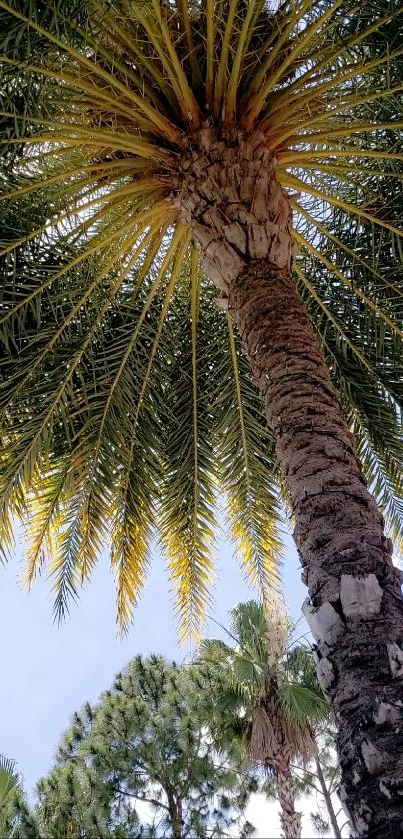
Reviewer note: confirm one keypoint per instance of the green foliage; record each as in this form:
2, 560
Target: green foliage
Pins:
266, 696
16, 819
264, 672
9, 778
125, 403
319, 779
143, 763
308, 784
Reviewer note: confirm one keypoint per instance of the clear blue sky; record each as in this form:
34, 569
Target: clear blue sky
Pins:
49, 672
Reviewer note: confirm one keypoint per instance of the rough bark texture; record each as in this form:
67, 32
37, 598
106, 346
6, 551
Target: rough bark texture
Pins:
175, 813
241, 219
268, 743
234, 206
290, 819
355, 608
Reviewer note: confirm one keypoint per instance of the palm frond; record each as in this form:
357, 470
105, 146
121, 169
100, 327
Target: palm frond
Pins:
247, 465
125, 401
213, 651
188, 491
302, 707
9, 778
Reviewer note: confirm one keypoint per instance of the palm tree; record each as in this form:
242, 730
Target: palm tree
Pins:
153, 153
261, 682
16, 819
9, 781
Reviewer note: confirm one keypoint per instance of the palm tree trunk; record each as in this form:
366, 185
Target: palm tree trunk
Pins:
290, 819
355, 608
354, 590
326, 794
241, 220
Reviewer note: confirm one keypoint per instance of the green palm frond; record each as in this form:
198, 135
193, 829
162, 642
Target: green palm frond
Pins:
16, 818
301, 706
299, 666
192, 342
264, 686
247, 469
214, 651
125, 402
247, 674
9, 780
251, 626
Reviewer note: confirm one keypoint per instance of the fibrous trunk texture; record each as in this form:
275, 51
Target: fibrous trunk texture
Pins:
241, 219
290, 819
268, 743
355, 607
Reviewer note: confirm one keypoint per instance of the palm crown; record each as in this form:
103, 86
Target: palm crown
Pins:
126, 402
264, 676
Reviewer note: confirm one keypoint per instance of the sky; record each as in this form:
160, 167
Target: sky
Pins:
48, 672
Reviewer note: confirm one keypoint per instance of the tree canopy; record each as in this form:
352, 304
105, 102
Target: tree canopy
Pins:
141, 762
126, 406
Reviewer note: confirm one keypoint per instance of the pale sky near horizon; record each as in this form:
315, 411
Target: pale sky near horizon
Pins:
48, 672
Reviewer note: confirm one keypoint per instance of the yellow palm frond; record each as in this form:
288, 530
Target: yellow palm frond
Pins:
126, 404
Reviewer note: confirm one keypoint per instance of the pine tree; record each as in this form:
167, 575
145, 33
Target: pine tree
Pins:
141, 763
